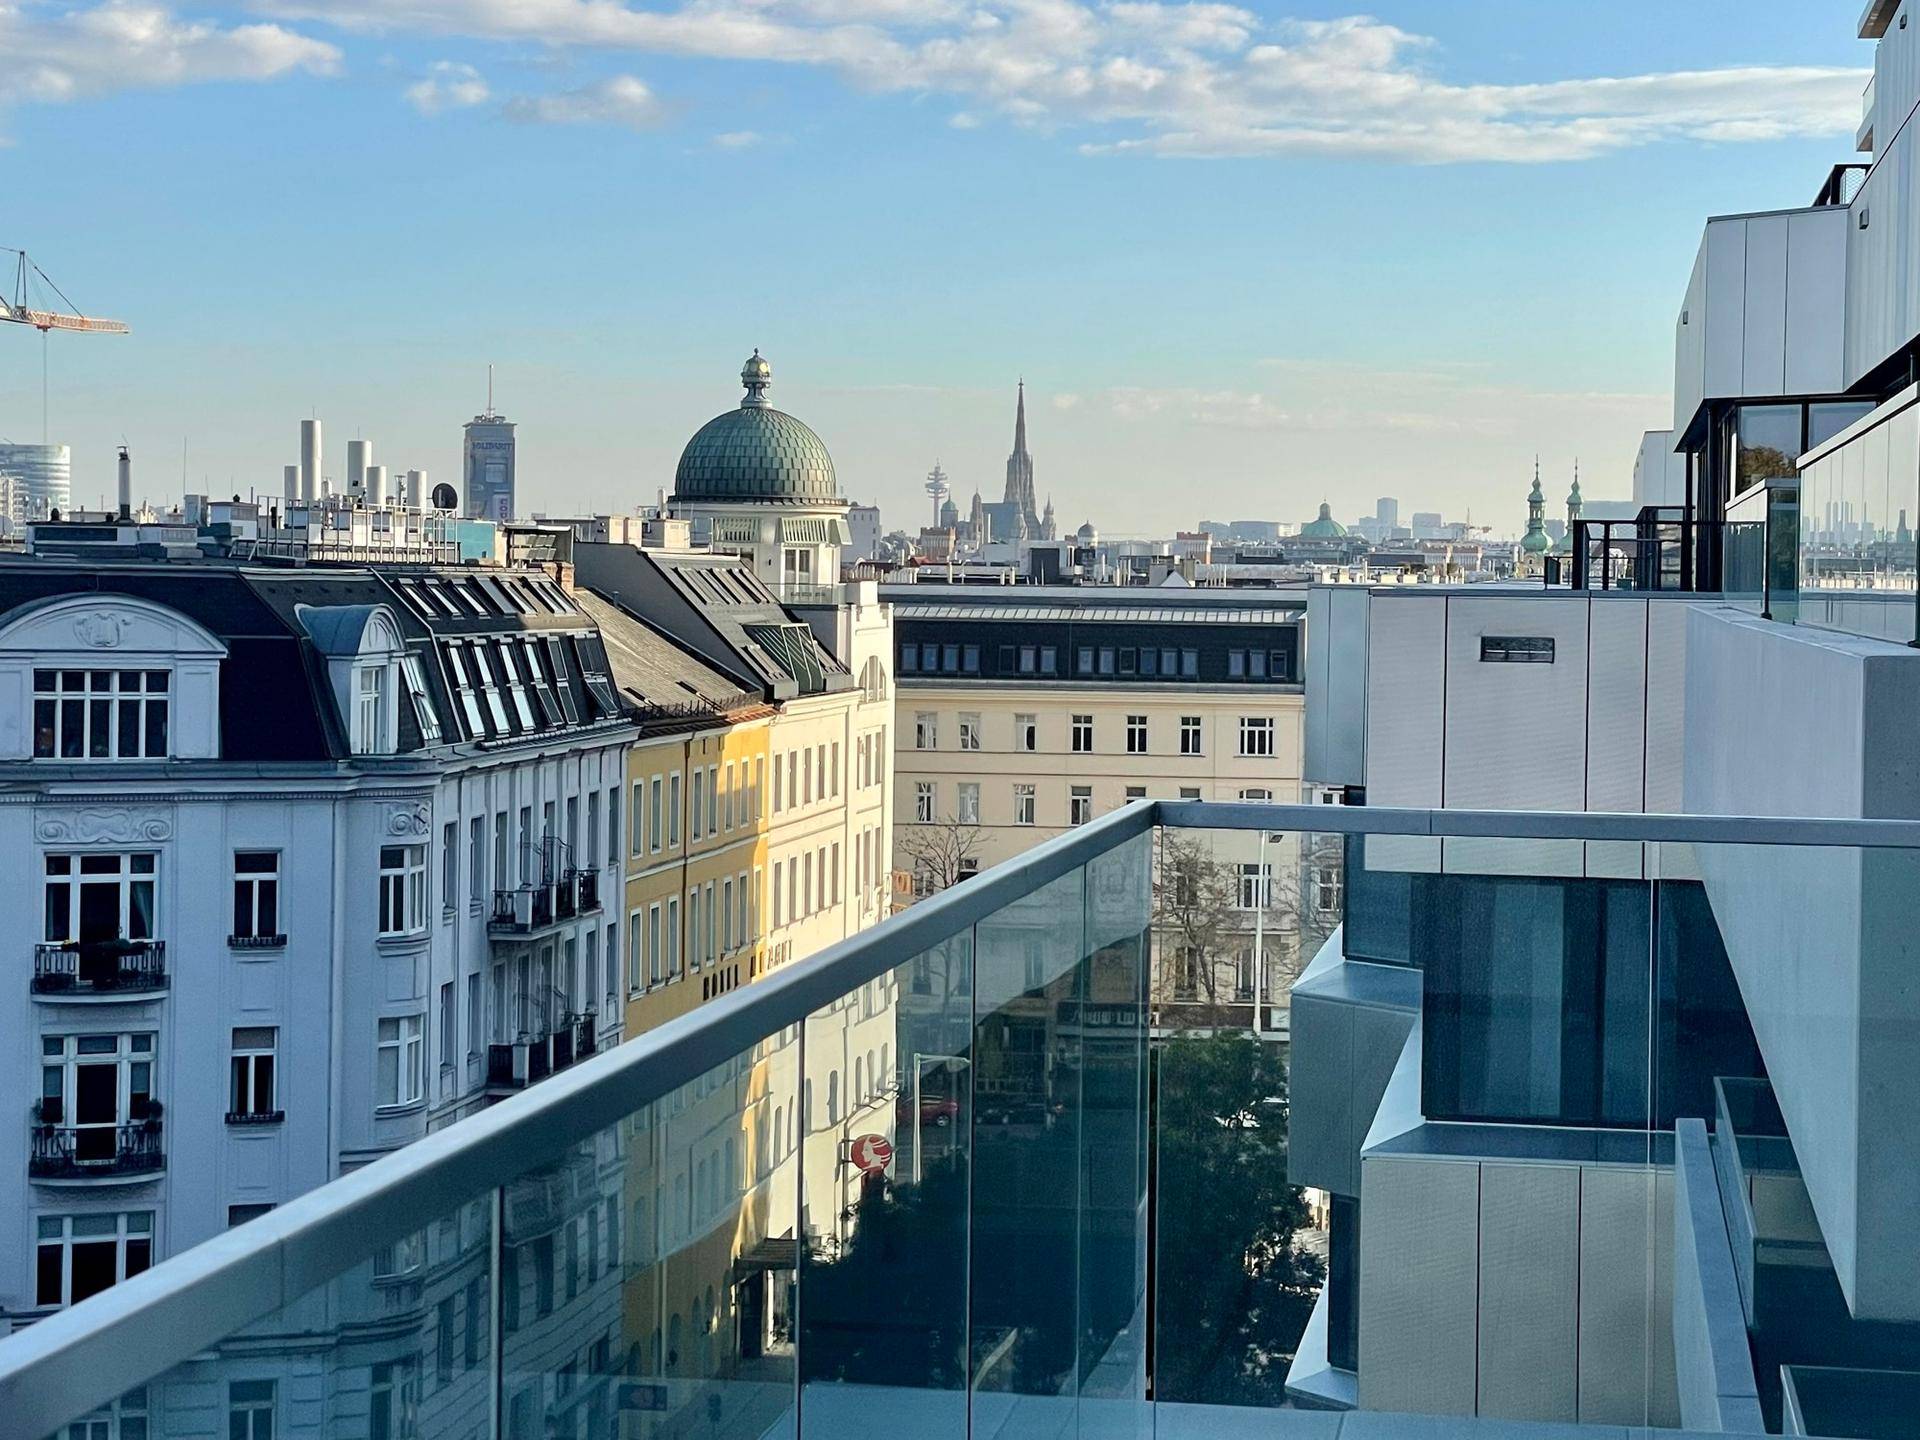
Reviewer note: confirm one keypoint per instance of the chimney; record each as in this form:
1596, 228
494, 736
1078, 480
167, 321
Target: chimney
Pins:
376, 484
413, 490
310, 460
292, 479
126, 485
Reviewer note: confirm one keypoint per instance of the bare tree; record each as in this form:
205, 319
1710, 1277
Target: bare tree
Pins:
943, 852
1214, 919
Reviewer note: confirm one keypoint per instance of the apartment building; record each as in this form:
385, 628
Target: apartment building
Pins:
759, 823
319, 862
1024, 712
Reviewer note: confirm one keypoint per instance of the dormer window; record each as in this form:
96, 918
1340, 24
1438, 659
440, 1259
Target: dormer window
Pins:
100, 714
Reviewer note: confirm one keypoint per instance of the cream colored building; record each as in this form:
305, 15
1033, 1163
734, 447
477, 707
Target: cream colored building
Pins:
1022, 711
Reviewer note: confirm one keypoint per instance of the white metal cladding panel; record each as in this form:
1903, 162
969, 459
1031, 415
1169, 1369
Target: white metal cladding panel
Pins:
1816, 302
1406, 672
1512, 737
1347, 683
1663, 1385
1689, 343
1617, 704
1764, 321
1666, 705
1726, 307
1419, 1278
1319, 633
1529, 1288
1477, 856
1619, 1217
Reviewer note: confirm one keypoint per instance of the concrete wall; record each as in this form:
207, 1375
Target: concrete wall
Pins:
1823, 941
1659, 472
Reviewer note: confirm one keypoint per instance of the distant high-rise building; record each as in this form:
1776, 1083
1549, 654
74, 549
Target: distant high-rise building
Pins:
488, 467
44, 474
1387, 511
863, 526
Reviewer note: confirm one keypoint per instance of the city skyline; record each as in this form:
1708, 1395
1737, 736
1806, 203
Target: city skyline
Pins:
1263, 316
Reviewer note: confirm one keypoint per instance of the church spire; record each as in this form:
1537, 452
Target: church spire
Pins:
1020, 420
1019, 493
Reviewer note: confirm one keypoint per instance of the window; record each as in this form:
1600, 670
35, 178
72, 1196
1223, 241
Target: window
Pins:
926, 731
100, 714
593, 827
699, 782
1190, 735
100, 897
1189, 792
1083, 660
392, 1394
1189, 664
256, 894
673, 811
969, 732
923, 801
833, 770
1256, 735
250, 1093
1082, 734
403, 889
250, 1410
1136, 734
1080, 805
1259, 795
370, 713
1026, 733
713, 799
241, 1214
654, 804
656, 954
397, 1076
1329, 888
1023, 805
969, 808
91, 1086
1149, 662
1517, 649
694, 943
1256, 887
476, 858
450, 1019
424, 712
77, 1256
449, 866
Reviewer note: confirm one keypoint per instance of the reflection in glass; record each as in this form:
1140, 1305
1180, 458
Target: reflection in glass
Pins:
883, 1321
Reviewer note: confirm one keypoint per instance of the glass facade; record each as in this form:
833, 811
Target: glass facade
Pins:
1859, 503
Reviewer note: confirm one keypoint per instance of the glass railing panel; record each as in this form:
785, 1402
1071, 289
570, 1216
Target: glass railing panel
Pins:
1024, 1301
647, 1275
1110, 1021
400, 1344
883, 1275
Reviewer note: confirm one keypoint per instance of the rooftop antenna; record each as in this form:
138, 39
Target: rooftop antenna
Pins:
489, 387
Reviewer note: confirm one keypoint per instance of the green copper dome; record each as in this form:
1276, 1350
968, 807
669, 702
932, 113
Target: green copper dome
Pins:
756, 454
1323, 526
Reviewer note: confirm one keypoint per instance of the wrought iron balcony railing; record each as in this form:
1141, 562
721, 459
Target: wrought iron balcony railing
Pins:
99, 969
96, 1152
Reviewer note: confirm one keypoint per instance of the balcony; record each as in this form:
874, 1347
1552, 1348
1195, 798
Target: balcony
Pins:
535, 1057
91, 970
530, 910
94, 1154
946, 1178
1660, 550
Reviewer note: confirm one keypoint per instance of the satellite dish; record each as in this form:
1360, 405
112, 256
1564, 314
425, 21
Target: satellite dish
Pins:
444, 497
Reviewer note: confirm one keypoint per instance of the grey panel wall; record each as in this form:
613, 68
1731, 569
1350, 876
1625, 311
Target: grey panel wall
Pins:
1659, 473
1823, 942
1626, 1338
1350, 1023
1406, 660
1419, 1272
1529, 1291
1617, 706
1337, 637
1507, 741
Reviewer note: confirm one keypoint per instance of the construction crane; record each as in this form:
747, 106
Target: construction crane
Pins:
20, 311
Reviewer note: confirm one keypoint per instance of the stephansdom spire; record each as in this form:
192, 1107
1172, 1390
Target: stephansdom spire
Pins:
1020, 469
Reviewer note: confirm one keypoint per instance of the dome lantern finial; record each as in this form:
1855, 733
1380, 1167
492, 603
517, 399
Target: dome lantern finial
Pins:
757, 376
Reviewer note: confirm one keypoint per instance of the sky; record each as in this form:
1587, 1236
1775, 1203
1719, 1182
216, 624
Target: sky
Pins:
1247, 258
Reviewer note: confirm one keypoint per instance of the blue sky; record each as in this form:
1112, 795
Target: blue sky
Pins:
1246, 257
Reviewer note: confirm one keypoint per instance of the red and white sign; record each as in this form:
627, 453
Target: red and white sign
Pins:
871, 1154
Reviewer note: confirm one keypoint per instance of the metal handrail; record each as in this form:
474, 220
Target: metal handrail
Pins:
80, 1358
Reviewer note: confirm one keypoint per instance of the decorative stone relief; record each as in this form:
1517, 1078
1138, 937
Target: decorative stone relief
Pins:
103, 826
409, 820
100, 629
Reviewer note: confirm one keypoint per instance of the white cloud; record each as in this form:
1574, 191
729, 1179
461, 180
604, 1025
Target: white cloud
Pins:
618, 100
738, 139
450, 85
51, 56
1199, 78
